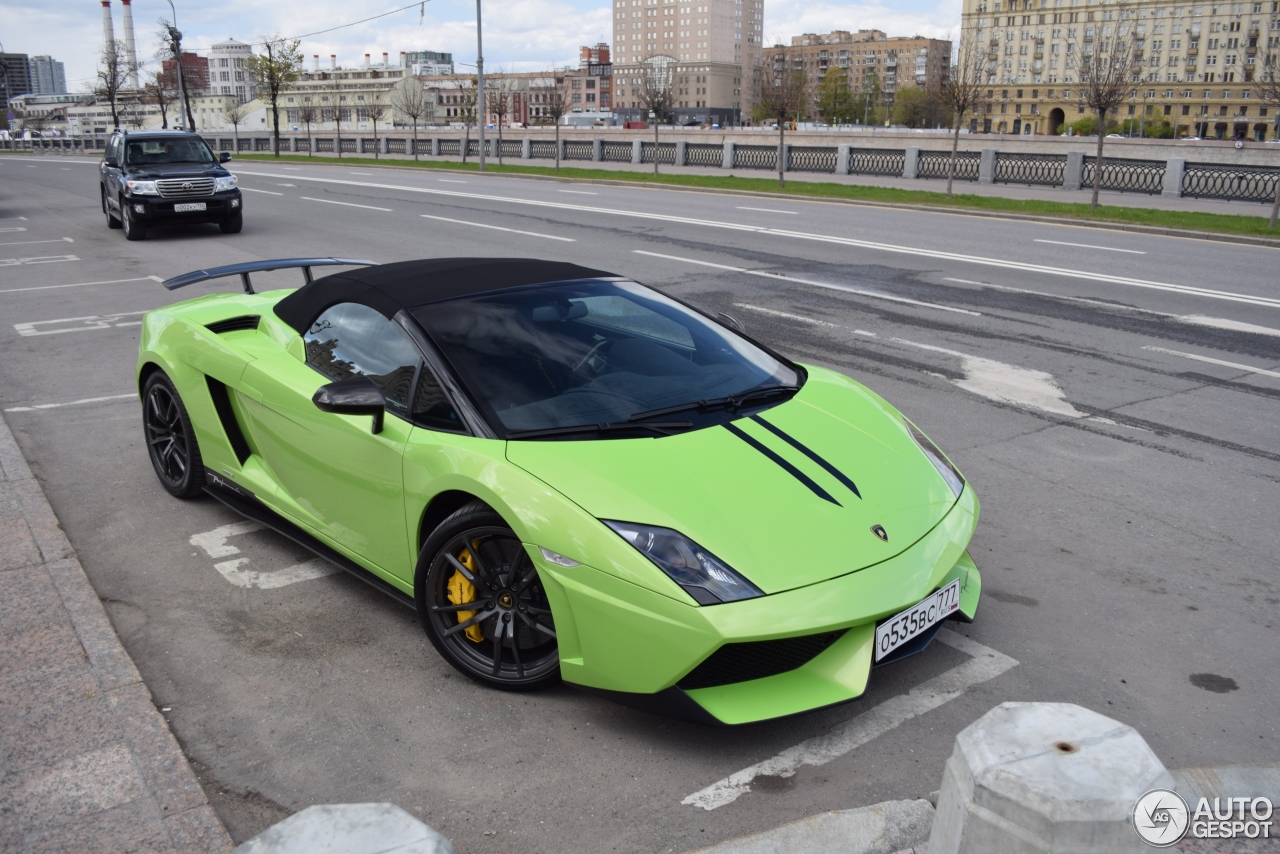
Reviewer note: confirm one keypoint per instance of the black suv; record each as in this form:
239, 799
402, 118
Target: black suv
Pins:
165, 178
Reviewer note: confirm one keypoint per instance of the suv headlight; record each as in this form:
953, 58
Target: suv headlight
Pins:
142, 188
949, 472
702, 575
227, 183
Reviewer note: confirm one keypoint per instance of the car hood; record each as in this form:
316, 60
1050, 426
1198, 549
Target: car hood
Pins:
739, 489
176, 170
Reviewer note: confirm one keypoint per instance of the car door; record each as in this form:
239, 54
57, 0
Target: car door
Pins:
334, 474
111, 174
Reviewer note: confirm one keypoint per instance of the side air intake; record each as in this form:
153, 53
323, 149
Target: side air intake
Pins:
234, 324
227, 415
739, 662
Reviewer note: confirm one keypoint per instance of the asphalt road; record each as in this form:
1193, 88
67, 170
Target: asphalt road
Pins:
1114, 398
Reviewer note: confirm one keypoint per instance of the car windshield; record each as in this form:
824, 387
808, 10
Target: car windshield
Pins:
599, 353
139, 152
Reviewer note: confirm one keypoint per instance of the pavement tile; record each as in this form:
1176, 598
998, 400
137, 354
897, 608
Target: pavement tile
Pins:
38, 646
44, 798
28, 600
57, 730
26, 690
163, 766
17, 546
48, 534
132, 828
198, 831
108, 658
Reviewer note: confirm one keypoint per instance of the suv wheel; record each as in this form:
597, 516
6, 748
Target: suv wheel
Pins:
112, 221
232, 224
133, 230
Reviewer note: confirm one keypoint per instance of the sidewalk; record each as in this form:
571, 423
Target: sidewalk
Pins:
87, 763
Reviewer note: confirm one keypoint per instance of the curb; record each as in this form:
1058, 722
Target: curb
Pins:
127, 784
892, 827
1136, 228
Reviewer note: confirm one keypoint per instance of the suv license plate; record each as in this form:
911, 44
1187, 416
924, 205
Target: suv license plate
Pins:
189, 206
902, 627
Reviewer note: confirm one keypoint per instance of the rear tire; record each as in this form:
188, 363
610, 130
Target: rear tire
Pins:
507, 639
171, 441
232, 224
133, 230
112, 220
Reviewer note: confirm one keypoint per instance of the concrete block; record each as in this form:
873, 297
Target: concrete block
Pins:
1044, 777
526, 148
293, 143
1073, 173
682, 153
637, 150
842, 159
987, 167
727, 162
348, 829
785, 154
562, 144
435, 146
597, 150
382, 145
911, 162
885, 828
1174, 167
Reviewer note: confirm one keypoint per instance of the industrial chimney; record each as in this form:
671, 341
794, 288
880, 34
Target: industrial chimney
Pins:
384, 60
131, 55
316, 61
333, 62
366, 60
108, 31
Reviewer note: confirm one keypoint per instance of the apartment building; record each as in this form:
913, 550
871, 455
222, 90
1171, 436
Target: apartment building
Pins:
352, 98
706, 47
226, 70
48, 76
871, 59
588, 89
1192, 63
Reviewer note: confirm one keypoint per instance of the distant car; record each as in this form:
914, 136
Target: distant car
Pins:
166, 178
1273, 141
1192, 139
1116, 136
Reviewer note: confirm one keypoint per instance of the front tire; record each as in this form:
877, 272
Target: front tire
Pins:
112, 220
482, 604
232, 224
133, 230
171, 441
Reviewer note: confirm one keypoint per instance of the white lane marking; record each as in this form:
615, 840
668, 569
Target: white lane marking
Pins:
575, 192
268, 192
441, 180
30, 166
359, 173
1006, 383
767, 210
11, 230
291, 168
498, 228
45, 259
1249, 368
39, 406
789, 316
23, 218
284, 185
81, 284
983, 665
1224, 323
801, 235
348, 204
29, 242
214, 543
846, 288
1089, 246
105, 321
231, 571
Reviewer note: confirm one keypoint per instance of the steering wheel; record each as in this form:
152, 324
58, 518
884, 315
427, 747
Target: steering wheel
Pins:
592, 363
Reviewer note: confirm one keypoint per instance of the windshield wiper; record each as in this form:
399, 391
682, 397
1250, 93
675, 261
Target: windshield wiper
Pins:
664, 428
733, 401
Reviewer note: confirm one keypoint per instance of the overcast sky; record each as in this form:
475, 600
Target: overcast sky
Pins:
519, 35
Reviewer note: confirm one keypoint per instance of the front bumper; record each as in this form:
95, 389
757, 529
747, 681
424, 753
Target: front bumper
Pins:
637, 646
155, 210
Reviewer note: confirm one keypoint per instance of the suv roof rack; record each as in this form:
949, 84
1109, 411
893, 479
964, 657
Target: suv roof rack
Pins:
243, 270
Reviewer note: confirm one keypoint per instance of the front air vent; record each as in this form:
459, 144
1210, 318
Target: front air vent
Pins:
740, 662
234, 324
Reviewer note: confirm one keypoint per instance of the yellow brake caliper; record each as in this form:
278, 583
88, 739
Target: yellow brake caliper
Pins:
462, 591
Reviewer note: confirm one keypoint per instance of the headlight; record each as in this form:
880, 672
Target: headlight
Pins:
949, 472
142, 188
227, 183
702, 575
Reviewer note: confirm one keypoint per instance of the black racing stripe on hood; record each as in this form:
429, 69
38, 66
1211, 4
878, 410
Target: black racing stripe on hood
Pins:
783, 464
808, 452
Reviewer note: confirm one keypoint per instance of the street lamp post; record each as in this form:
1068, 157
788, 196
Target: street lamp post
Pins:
176, 37
480, 112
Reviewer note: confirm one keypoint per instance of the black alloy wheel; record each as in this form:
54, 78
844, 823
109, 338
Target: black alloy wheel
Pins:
171, 443
482, 604
112, 220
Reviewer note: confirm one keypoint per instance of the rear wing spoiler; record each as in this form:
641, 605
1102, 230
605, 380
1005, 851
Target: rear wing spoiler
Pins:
243, 270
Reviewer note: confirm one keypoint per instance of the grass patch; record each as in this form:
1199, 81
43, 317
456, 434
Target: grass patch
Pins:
1256, 226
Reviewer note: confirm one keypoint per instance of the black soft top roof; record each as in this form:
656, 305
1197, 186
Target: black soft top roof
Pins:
389, 288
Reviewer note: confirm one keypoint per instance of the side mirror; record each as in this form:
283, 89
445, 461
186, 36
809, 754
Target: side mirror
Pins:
224, 157
356, 395
732, 322
111, 162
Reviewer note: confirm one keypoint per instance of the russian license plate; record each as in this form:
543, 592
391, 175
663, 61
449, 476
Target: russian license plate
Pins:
902, 627
182, 207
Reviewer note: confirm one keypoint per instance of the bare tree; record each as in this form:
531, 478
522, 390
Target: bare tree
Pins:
1267, 84
376, 111
466, 111
113, 70
409, 98
236, 115
656, 93
157, 91
963, 90
782, 98
1106, 63
307, 114
337, 117
273, 72
557, 104
498, 102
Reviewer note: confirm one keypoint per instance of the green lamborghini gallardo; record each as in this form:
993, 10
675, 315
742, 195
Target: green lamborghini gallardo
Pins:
570, 476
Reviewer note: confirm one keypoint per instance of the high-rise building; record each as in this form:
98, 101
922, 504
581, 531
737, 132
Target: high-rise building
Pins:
227, 72
424, 63
1192, 63
15, 79
48, 77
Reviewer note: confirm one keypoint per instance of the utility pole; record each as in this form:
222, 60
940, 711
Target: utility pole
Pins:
480, 111
176, 38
